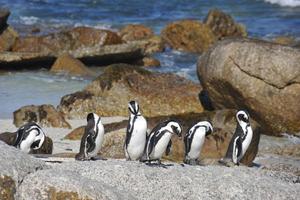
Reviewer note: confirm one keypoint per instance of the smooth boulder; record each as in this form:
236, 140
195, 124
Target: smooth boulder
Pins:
68, 64
259, 76
45, 115
109, 94
188, 35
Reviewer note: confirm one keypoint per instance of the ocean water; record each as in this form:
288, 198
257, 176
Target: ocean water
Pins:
263, 19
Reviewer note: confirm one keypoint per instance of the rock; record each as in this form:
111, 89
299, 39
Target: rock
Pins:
46, 148
44, 115
284, 40
57, 43
13, 171
66, 63
135, 32
258, 76
188, 35
223, 25
8, 37
209, 182
109, 94
65, 184
99, 55
148, 62
150, 45
287, 145
4, 14
10, 138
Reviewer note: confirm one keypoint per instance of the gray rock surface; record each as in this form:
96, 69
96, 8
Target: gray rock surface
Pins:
66, 184
188, 182
17, 164
120, 179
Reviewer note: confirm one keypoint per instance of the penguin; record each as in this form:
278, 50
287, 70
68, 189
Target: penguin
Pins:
136, 133
159, 140
29, 137
240, 140
92, 139
194, 140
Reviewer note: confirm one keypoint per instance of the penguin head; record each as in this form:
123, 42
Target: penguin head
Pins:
92, 117
242, 116
208, 127
175, 126
134, 108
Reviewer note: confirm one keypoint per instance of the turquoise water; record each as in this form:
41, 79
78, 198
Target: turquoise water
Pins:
262, 19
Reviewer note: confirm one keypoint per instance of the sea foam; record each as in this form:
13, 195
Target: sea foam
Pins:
289, 3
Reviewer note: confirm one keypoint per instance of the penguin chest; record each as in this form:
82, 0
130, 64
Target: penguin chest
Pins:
161, 146
247, 140
196, 145
27, 142
136, 145
98, 142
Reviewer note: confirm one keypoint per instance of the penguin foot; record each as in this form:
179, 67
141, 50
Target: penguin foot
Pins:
193, 162
226, 162
98, 158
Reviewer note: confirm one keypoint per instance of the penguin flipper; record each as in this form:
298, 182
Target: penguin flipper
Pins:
90, 141
168, 150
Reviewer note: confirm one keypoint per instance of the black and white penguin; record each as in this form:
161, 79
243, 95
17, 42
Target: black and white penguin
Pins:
194, 140
29, 137
136, 133
92, 138
159, 140
241, 139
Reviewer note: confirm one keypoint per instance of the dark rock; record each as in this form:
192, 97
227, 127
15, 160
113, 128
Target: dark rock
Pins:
188, 35
4, 14
223, 25
46, 148
109, 94
45, 115
258, 76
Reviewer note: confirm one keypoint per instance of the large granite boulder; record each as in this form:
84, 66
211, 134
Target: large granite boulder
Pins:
44, 115
109, 94
73, 39
68, 64
223, 25
14, 166
259, 76
135, 32
188, 35
67, 184
175, 181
